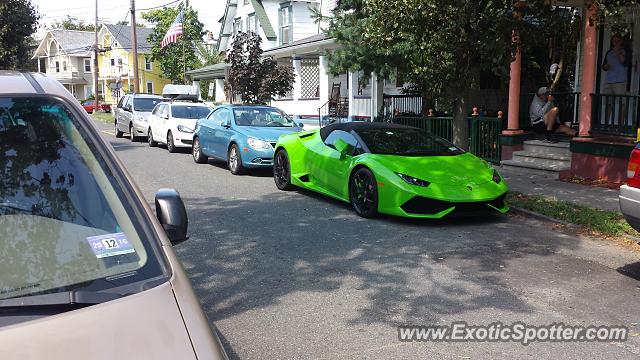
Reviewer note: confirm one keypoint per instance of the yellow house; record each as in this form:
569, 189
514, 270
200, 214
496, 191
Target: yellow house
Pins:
115, 65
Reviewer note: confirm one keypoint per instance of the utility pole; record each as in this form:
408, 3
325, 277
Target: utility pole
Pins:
136, 84
95, 61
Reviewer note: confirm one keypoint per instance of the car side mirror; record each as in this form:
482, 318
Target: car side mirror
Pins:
300, 125
172, 215
226, 124
164, 116
342, 147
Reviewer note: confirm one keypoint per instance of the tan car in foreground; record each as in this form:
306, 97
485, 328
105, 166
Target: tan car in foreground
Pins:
87, 271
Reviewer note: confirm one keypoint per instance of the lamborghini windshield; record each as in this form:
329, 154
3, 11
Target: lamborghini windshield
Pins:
63, 222
262, 117
406, 142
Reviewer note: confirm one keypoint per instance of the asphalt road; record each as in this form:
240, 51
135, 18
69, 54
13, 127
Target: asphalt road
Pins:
292, 275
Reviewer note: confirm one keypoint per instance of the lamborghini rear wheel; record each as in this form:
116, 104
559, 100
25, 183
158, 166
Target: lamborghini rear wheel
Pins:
363, 193
282, 170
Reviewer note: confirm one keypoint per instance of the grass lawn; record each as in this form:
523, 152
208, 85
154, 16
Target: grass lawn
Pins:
597, 222
103, 117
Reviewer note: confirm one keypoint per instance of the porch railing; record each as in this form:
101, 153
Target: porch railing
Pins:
615, 114
402, 104
484, 132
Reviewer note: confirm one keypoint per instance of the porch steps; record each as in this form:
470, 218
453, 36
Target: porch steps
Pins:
541, 158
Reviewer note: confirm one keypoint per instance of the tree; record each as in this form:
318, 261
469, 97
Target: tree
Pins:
73, 23
126, 23
18, 21
255, 78
440, 46
177, 57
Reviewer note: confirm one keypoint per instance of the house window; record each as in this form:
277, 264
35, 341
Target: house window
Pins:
100, 89
113, 62
285, 19
251, 23
87, 65
237, 26
57, 66
64, 66
245, 2
148, 65
149, 87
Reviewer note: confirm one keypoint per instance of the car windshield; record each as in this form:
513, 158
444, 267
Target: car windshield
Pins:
145, 104
64, 223
406, 142
189, 111
262, 117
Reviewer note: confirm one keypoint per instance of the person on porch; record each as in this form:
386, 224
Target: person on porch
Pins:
616, 66
544, 116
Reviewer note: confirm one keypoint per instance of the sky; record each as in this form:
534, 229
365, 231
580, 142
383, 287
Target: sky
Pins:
112, 11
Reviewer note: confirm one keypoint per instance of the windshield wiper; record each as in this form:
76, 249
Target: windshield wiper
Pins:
79, 297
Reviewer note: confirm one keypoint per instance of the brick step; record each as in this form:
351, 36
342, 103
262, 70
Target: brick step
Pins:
541, 155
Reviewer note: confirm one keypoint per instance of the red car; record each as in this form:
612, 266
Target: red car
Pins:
90, 106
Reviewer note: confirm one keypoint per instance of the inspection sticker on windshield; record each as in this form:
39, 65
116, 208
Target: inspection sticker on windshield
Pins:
110, 245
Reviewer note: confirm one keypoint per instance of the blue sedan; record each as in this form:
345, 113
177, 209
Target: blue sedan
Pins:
241, 135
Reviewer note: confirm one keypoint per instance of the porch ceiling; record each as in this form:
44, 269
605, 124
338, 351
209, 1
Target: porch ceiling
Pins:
312, 45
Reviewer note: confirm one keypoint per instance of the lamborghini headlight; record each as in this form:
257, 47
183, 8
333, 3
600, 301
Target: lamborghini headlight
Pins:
257, 144
496, 176
413, 181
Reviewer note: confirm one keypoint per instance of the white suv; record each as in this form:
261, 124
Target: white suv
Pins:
132, 113
172, 123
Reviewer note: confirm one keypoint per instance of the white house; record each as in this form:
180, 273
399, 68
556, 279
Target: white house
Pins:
66, 56
291, 35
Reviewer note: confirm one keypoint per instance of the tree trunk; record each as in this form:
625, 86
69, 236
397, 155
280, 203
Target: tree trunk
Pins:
460, 123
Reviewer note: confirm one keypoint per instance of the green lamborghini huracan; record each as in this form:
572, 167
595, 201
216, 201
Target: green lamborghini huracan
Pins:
390, 169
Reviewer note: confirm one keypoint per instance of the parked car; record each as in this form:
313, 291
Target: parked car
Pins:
242, 135
387, 168
172, 123
90, 106
629, 198
84, 259
131, 114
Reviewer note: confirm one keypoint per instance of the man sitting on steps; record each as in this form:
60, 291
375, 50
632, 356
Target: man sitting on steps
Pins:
544, 117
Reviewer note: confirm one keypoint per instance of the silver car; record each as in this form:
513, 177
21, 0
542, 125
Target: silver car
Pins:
87, 271
132, 114
630, 193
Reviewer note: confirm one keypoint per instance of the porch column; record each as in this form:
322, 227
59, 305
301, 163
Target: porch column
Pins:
513, 122
219, 94
323, 68
297, 82
39, 64
588, 81
196, 85
353, 88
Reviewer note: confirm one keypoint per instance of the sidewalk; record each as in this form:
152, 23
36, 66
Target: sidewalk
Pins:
584, 195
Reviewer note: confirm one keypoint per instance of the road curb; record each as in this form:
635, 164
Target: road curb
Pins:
542, 217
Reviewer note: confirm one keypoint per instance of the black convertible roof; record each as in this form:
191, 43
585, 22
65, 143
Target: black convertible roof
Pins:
359, 125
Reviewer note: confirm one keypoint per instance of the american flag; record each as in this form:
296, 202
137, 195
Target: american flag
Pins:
174, 31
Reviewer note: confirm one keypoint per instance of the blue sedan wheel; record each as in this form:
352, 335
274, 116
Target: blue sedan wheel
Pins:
234, 161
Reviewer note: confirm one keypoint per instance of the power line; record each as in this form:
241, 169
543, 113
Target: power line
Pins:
159, 6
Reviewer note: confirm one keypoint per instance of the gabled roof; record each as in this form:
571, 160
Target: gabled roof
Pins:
122, 34
72, 42
263, 19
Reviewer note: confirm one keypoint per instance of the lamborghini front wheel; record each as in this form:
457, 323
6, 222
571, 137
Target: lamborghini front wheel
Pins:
282, 170
363, 193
